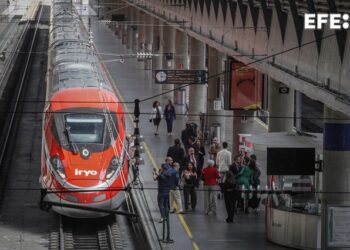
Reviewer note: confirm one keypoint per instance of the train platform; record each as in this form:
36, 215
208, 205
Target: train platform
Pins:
193, 230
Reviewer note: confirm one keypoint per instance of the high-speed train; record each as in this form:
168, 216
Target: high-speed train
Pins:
84, 159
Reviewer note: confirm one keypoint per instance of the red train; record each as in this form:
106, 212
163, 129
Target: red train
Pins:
84, 151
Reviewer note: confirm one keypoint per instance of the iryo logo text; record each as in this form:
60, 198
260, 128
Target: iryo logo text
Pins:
85, 172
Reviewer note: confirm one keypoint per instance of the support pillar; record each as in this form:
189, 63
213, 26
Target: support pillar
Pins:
136, 25
197, 92
168, 56
148, 40
130, 28
281, 107
181, 62
298, 109
124, 33
336, 165
141, 24
118, 26
181, 50
157, 46
216, 118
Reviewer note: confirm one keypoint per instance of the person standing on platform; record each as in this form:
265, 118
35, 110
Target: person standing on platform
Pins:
243, 180
214, 148
186, 134
199, 148
210, 176
175, 194
229, 188
166, 178
223, 160
170, 116
177, 153
254, 182
255, 178
191, 158
156, 116
189, 178
236, 165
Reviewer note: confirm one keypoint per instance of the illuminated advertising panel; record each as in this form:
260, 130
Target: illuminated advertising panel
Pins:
246, 87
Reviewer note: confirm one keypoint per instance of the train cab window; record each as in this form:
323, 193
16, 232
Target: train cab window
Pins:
85, 128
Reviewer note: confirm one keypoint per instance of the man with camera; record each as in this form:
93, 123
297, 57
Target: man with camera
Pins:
167, 178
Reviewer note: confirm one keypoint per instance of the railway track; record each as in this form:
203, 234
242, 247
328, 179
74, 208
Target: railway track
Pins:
11, 106
97, 234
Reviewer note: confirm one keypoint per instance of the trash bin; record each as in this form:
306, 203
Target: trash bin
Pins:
180, 96
215, 131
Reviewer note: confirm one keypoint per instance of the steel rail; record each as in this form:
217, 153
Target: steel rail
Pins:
9, 123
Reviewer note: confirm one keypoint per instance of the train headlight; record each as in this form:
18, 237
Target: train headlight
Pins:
57, 165
113, 166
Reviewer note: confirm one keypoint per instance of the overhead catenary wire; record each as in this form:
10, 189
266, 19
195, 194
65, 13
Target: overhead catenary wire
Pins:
226, 71
186, 114
82, 190
251, 63
210, 77
124, 56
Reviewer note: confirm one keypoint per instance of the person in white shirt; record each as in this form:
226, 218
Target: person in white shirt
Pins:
223, 160
156, 116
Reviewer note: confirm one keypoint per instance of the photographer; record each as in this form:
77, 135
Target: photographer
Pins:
166, 178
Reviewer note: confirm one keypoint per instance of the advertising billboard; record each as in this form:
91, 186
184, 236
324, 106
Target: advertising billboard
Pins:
246, 88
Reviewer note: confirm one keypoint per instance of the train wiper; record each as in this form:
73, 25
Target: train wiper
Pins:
72, 145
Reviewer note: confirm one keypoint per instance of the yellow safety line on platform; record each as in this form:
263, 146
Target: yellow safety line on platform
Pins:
153, 162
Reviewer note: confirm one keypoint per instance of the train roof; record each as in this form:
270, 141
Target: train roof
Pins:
73, 52
66, 25
80, 74
66, 31
74, 61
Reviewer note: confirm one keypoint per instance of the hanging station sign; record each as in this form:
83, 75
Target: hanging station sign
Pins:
180, 76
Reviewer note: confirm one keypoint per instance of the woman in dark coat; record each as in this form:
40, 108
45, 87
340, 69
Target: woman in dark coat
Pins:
170, 116
230, 195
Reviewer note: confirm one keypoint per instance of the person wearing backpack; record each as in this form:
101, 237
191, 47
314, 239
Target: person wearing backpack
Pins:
255, 177
231, 194
254, 202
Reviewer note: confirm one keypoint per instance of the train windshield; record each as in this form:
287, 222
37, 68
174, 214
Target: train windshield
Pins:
85, 128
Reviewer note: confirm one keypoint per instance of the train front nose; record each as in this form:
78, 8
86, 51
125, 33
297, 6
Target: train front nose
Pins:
94, 197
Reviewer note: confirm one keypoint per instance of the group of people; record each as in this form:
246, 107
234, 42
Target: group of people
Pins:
220, 177
241, 174
183, 170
